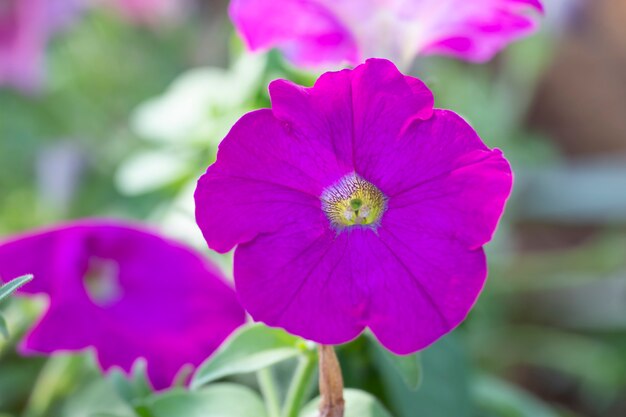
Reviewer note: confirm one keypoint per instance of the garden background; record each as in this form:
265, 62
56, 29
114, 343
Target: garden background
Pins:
131, 113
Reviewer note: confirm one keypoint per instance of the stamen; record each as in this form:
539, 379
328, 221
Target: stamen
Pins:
353, 201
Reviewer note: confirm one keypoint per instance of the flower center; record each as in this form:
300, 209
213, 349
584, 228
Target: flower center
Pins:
102, 282
353, 201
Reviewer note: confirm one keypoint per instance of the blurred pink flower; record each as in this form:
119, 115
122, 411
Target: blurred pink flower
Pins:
125, 292
318, 32
25, 28
148, 11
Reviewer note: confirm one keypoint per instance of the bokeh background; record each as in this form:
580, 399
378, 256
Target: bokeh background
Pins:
132, 110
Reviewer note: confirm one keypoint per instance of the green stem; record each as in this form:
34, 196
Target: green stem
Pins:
299, 385
269, 391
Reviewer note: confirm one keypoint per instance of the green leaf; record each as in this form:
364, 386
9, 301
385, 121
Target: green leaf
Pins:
358, 404
105, 415
444, 391
96, 399
16, 379
58, 380
219, 400
505, 399
409, 367
10, 287
5, 291
131, 387
251, 348
4, 331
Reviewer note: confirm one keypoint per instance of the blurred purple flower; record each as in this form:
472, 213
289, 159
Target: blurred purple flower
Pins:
25, 28
318, 32
126, 292
149, 11
355, 204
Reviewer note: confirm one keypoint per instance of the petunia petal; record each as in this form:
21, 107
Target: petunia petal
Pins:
446, 194
307, 280
426, 286
477, 30
266, 175
384, 104
347, 111
455, 204
321, 117
50, 257
423, 151
66, 326
409, 289
306, 31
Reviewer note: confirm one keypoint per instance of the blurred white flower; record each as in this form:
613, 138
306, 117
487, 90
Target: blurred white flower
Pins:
201, 104
151, 170
192, 116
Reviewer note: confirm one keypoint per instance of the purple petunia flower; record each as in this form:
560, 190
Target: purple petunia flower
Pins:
25, 27
318, 32
126, 292
355, 204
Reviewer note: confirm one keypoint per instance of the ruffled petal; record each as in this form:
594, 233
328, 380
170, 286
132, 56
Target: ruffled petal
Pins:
265, 176
306, 31
384, 103
424, 287
314, 33
53, 258
464, 204
350, 113
320, 117
440, 178
409, 289
477, 30
66, 326
307, 280
421, 152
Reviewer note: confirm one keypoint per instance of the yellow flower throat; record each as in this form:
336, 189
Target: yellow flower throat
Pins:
353, 201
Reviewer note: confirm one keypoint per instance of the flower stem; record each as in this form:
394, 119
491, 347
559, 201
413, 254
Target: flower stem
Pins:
299, 385
331, 383
269, 391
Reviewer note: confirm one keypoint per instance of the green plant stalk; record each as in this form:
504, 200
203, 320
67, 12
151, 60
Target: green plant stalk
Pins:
267, 383
299, 385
